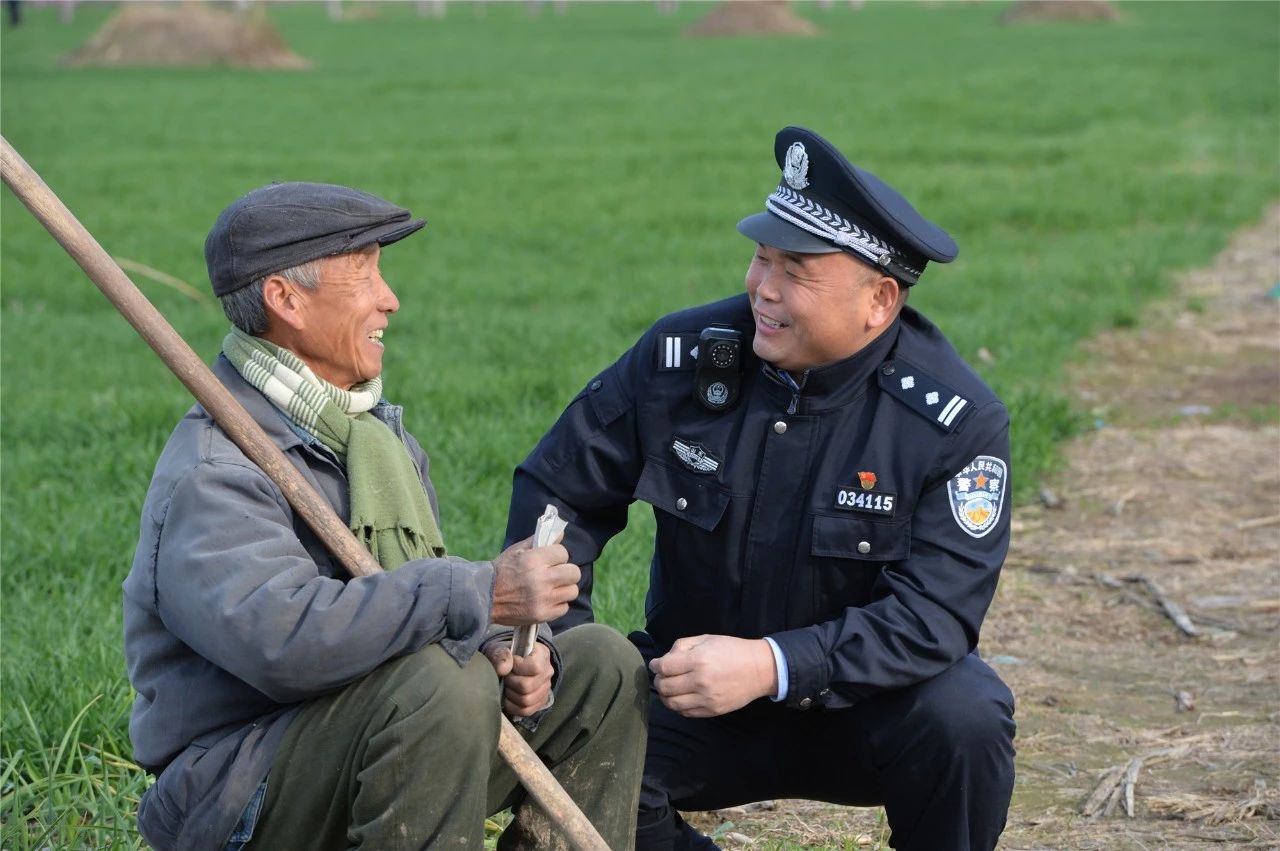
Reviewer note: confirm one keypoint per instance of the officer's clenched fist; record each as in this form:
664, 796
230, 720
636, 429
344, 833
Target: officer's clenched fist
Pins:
533, 584
707, 675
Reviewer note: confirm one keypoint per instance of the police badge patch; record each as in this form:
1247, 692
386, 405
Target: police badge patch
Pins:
977, 494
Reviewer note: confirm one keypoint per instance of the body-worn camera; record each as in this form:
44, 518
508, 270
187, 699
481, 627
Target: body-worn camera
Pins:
719, 374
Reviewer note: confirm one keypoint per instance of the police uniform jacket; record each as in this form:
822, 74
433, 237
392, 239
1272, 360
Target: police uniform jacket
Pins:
852, 514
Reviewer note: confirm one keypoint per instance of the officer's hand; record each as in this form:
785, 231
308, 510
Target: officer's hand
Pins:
527, 688
708, 675
533, 584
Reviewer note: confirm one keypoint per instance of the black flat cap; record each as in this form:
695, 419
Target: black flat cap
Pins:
285, 224
825, 204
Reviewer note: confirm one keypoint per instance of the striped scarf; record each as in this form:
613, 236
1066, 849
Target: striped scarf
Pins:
390, 513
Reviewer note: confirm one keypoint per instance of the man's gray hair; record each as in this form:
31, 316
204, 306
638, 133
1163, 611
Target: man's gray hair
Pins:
245, 307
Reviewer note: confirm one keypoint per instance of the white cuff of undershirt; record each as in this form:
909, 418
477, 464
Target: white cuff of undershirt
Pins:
780, 663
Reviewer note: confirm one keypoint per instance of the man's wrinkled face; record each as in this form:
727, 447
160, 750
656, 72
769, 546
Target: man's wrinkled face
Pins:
810, 309
345, 318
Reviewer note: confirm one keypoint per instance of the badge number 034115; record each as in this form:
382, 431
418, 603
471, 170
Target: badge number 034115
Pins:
856, 499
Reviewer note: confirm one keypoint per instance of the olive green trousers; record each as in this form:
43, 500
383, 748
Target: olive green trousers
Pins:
406, 757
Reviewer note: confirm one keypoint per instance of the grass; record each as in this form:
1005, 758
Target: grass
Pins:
582, 174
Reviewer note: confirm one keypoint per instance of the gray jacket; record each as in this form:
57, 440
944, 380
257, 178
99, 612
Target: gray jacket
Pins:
234, 613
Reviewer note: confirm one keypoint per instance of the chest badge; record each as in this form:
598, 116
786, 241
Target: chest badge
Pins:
865, 499
693, 456
977, 494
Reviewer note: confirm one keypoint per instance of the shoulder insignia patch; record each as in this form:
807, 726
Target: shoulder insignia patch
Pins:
923, 394
693, 456
677, 352
977, 494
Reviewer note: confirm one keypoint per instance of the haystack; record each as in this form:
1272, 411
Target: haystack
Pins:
1036, 11
185, 35
751, 17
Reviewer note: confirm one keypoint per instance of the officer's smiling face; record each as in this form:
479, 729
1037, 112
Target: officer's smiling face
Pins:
815, 309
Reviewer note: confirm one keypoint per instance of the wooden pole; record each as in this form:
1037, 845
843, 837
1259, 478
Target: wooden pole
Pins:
249, 436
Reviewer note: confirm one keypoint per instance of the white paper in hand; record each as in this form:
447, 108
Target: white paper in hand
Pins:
550, 530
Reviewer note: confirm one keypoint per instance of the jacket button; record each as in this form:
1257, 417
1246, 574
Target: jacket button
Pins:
682, 504
780, 427
596, 385
806, 702
888, 369
864, 547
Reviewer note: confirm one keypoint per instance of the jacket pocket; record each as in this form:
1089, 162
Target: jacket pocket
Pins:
682, 494
860, 538
847, 556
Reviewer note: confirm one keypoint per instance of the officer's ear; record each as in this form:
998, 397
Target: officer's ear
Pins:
885, 300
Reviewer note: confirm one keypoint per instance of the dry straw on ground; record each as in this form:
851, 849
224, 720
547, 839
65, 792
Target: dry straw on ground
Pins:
751, 17
1036, 11
186, 35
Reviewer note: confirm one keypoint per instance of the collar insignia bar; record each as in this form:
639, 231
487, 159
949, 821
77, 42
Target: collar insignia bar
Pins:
677, 352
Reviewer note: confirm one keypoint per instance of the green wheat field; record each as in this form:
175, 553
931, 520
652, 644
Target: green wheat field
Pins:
582, 174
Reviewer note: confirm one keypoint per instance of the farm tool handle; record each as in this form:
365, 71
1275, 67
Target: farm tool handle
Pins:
248, 435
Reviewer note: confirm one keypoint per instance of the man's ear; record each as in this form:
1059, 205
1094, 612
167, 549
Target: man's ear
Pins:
884, 301
285, 303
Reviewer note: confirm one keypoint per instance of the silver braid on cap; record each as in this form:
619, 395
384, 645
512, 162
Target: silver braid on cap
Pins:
809, 215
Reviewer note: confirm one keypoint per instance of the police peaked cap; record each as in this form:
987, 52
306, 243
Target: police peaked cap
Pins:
283, 225
825, 204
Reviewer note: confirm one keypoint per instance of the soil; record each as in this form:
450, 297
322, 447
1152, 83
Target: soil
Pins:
1174, 496
751, 17
186, 35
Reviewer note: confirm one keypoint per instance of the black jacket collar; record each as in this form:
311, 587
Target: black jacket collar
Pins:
835, 384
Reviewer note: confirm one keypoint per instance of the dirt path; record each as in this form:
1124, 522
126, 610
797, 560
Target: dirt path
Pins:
1177, 495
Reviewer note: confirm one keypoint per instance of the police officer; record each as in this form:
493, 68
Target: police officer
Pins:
830, 481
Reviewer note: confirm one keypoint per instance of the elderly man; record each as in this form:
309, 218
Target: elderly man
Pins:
282, 704
829, 481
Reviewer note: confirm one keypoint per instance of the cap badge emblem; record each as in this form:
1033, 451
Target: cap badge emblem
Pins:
796, 168
867, 480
